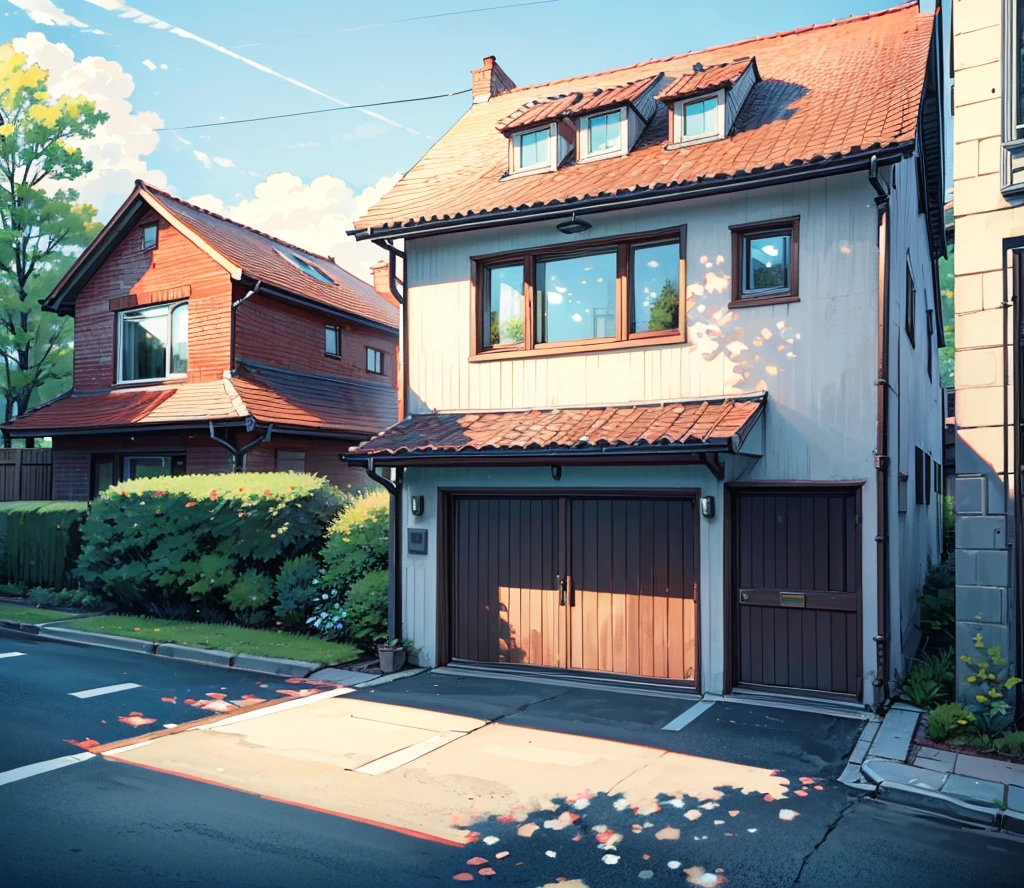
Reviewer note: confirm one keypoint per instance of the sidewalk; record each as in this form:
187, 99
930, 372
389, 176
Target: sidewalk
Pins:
981, 790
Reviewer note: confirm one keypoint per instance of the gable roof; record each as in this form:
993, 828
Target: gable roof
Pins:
245, 253
830, 95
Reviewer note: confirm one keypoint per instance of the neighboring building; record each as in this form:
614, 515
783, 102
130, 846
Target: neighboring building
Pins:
988, 202
202, 345
643, 318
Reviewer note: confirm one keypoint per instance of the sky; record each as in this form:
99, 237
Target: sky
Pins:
159, 67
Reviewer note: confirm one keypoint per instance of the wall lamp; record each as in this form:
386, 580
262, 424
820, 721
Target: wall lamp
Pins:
574, 225
556, 473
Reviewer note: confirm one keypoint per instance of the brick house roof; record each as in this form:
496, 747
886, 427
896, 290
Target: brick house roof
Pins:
706, 80
827, 93
699, 424
282, 397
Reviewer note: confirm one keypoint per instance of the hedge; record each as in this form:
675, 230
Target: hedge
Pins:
40, 542
211, 545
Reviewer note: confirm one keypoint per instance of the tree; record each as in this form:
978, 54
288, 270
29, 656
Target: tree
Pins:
664, 314
42, 225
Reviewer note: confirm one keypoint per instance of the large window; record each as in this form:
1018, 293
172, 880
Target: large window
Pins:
602, 296
765, 262
532, 150
153, 342
111, 468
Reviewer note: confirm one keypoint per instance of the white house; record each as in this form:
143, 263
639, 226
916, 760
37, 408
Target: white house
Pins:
670, 385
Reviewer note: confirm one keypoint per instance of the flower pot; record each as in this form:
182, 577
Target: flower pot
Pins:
391, 658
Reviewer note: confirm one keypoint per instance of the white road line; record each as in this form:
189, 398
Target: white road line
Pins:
694, 712
12, 654
292, 703
409, 754
99, 692
16, 774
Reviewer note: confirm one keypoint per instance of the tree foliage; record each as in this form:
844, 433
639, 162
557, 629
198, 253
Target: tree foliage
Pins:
42, 225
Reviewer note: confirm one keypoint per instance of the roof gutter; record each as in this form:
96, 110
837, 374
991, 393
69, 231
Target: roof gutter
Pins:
238, 453
234, 306
702, 188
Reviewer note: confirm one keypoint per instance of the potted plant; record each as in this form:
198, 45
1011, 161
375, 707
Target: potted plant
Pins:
392, 655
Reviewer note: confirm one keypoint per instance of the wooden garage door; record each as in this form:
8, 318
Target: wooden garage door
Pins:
600, 584
796, 588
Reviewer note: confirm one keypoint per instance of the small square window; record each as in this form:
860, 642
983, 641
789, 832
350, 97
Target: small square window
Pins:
149, 236
532, 150
602, 134
503, 306
332, 341
700, 118
764, 262
374, 361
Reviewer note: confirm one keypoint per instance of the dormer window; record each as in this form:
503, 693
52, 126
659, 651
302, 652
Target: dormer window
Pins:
531, 150
601, 135
306, 267
699, 118
704, 104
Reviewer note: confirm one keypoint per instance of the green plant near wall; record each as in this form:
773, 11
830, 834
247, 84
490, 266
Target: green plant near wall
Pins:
989, 680
40, 541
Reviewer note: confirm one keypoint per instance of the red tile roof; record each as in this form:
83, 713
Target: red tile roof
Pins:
709, 425
281, 397
539, 111
827, 91
259, 256
707, 80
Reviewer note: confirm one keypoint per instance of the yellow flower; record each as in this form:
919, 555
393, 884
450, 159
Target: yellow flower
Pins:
137, 629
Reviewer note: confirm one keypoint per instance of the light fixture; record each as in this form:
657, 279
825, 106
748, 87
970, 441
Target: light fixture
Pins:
556, 473
574, 226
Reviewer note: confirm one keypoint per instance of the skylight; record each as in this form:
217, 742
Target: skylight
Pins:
308, 268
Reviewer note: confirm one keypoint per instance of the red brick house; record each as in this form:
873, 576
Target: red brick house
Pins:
202, 345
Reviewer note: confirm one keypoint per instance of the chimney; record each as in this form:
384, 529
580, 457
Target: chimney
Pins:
381, 281
490, 80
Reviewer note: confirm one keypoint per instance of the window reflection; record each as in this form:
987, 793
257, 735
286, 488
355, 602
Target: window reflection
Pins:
766, 263
504, 322
655, 288
576, 298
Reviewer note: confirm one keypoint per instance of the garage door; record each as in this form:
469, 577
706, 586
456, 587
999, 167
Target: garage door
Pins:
796, 589
597, 584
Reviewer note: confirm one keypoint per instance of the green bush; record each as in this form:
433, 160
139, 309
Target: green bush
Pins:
40, 541
206, 543
938, 597
296, 585
948, 719
79, 599
357, 540
366, 610
1011, 743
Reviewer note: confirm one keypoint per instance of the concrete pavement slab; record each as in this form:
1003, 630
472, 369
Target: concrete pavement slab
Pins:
895, 735
989, 769
977, 792
884, 771
345, 677
1015, 799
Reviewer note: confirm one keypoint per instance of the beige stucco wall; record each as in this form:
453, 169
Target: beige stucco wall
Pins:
983, 218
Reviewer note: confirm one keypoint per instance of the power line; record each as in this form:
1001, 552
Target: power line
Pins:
167, 129
414, 18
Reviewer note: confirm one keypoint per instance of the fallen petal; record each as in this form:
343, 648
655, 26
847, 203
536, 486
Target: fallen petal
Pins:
487, 871
501, 855
168, 700
87, 743
800, 792
769, 798
491, 840
610, 859
787, 814
463, 877
476, 861
668, 833
551, 853
692, 814
807, 781
527, 830
734, 813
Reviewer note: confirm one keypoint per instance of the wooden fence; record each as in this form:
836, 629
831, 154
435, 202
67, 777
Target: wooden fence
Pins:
25, 474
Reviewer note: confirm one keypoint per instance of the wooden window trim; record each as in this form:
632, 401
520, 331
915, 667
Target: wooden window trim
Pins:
739, 234
528, 348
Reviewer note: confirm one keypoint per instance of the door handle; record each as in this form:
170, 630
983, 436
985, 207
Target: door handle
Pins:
571, 589
561, 589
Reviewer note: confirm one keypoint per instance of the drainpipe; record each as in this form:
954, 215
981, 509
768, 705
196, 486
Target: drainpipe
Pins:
401, 374
881, 638
394, 546
234, 306
238, 453
1010, 303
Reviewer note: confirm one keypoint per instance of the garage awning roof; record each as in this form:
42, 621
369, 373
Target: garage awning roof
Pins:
699, 426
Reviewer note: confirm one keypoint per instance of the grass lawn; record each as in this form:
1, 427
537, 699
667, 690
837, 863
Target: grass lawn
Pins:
221, 637
26, 613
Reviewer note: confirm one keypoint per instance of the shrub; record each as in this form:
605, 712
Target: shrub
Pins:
930, 680
357, 540
938, 597
171, 546
81, 599
366, 607
947, 720
40, 541
296, 586
1011, 743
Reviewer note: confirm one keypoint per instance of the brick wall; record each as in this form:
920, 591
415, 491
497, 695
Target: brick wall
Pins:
984, 487
71, 474
211, 460
297, 342
131, 274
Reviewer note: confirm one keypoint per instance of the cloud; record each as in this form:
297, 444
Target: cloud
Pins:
203, 158
120, 146
45, 12
225, 162
315, 216
149, 64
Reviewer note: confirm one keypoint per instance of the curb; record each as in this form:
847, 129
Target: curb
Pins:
95, 639
275, 665
30, 628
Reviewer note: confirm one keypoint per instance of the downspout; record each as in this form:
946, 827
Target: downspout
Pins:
238, 453
394, 546
401, 374
1010, 301
234, 306
881, 638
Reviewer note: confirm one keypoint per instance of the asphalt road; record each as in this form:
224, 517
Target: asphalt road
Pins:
106, 823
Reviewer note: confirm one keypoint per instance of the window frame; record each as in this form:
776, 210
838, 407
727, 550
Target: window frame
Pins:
483, 307
910, 306
678, 114
740, 235
624, 246
379, 354
583, 152
147, 226
310, 269
1013, 121
516, 147
929, 318
337, 339
119, 356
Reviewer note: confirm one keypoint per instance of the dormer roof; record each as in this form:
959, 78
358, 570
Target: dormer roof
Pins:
707, 79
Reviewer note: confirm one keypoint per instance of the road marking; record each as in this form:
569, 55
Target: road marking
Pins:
293, 703
16, 774
99, 692
691, 714
409, 754
12, 654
